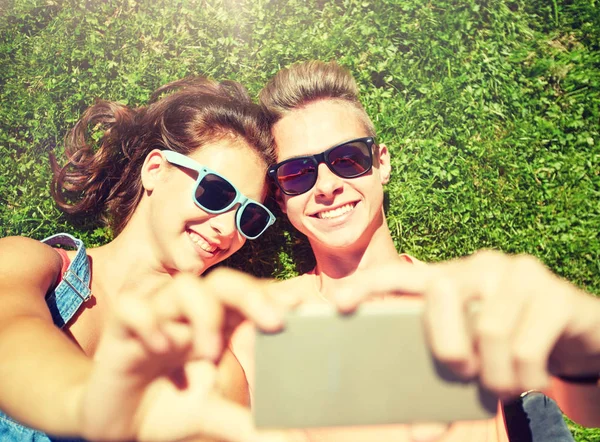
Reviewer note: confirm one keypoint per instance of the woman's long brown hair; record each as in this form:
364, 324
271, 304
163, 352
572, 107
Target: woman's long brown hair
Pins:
108, 145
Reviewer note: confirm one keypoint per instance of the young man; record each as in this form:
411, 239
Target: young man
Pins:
330, 178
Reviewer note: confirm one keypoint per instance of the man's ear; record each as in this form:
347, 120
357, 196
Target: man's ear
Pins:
383, 163
153, 169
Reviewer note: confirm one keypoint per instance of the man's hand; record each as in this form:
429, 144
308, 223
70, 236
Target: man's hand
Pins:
506, 319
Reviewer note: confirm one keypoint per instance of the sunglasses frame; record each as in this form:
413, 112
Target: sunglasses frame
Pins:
323, 157
184, 161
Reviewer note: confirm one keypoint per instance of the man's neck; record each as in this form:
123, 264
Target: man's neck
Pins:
335, 264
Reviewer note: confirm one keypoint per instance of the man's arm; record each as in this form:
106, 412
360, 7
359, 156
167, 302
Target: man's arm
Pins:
504, 319
580, 402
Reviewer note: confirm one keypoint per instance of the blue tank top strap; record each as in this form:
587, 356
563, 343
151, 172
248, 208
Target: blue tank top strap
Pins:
74, 289
12, 431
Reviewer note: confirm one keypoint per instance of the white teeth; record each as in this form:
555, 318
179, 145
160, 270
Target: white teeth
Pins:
199, 241
328, 214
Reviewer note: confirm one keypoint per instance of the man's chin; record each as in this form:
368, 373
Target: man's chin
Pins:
337, 241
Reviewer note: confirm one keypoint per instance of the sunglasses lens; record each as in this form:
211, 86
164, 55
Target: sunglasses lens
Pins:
214, 193
254, 220
351, 159
297, 176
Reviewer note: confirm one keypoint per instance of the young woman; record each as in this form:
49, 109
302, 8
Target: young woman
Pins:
124, 341
330, 176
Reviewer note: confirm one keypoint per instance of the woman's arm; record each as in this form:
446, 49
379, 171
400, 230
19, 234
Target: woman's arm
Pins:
42, 371
154, 374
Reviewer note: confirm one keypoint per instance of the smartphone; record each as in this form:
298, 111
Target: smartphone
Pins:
371, 367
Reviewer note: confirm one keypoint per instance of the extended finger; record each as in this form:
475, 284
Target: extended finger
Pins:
179, 335
447, 327
495, 327
542, 324
247, 295
137, 318
393, 278
197, 303
476, 274
456, 296
286, 298
483, 279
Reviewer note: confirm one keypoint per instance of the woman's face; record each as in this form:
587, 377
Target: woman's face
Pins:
336, 212
187, 237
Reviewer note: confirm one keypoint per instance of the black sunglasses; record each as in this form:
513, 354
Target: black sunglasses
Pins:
349, 159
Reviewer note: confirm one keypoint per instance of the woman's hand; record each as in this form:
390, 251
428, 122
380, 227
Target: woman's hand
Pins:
155, 369
528, 321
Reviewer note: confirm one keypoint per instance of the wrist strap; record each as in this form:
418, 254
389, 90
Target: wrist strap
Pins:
591, 379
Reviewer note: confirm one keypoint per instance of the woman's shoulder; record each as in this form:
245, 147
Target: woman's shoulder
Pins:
29, 260
18, 246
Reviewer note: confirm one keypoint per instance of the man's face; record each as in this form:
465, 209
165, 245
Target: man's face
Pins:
336, 212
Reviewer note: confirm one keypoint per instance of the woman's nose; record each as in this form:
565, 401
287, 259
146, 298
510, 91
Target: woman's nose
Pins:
224, 223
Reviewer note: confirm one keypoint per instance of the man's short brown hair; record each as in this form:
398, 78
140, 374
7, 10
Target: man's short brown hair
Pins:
303, 83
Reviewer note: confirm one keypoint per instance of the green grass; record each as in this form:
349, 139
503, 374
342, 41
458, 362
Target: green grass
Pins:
491, 109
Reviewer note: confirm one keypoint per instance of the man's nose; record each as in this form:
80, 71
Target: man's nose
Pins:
328, 183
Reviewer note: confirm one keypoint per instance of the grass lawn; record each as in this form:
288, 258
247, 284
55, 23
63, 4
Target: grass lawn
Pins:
490, 108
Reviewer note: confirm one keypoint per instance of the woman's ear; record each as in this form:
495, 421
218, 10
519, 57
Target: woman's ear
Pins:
384, 163
153, 169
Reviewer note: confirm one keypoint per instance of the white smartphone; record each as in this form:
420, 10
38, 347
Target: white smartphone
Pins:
370, 367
